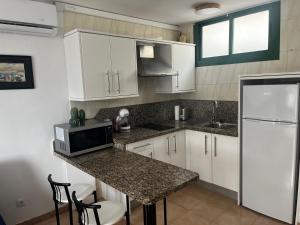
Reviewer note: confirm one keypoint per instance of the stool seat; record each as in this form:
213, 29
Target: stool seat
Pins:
110, 213
83, 190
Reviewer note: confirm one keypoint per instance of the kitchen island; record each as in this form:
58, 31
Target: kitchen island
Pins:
143, 179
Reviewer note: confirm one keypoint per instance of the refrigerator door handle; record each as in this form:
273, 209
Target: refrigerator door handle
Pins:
270, 121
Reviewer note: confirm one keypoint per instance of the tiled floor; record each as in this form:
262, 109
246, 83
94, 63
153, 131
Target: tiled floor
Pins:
195, 205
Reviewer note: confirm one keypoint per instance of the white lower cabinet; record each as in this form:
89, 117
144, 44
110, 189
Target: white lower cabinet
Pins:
167, 148
144, 148
171, 149
214, 157
200, 154
225, 161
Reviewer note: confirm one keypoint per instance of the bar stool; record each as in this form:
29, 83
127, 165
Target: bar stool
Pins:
99, 213
61, 195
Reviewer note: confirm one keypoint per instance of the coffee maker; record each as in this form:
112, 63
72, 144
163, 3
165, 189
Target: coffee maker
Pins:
122, 121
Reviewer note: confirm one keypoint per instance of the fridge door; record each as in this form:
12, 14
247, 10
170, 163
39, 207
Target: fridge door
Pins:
269, 168
271, 102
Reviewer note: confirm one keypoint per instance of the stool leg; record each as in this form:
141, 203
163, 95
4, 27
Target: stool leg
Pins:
56, 213
165, 211
128, 211
95, 196
70, 213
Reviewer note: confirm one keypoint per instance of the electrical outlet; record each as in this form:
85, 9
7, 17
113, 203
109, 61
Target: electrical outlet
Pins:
20, 203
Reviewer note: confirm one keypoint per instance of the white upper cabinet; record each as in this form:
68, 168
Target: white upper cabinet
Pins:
183, 62
100, 66
96, 66
124, 66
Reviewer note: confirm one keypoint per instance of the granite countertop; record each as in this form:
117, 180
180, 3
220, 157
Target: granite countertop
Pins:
144, 179
140, 133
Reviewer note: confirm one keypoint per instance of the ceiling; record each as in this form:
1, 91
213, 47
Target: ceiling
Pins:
174, 12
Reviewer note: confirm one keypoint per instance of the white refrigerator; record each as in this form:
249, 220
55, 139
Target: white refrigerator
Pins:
270, 149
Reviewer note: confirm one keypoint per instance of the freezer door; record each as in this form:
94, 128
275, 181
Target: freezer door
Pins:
271, 102
268, 168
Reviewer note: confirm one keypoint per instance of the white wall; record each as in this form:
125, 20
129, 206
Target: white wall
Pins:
26, 120
221, 82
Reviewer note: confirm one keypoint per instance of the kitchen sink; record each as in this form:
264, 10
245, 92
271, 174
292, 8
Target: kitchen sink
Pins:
220, 125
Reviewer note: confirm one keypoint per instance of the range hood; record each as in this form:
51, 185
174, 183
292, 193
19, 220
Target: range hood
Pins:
155, 60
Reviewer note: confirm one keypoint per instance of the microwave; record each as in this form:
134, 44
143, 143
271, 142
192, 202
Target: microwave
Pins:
74, 141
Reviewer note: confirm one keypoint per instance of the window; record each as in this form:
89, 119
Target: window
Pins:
245, 36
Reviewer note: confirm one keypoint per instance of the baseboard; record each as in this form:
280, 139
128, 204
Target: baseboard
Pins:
44, 216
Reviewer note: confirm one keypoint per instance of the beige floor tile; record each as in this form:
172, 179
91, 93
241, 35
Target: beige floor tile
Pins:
192, 218
263, 220
208, 211
193, 205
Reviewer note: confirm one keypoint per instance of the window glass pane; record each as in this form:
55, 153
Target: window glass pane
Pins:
251, 32
215, 40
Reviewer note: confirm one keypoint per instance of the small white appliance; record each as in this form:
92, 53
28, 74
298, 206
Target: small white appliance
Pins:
28, 17
270, 149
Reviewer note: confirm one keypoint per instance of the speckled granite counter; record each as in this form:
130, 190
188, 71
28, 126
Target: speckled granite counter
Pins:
139, 133
143, 179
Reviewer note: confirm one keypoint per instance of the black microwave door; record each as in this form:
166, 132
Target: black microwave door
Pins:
90, 138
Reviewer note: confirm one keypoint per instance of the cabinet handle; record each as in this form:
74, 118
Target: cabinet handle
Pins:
215, 145
119, 85
141, 146
151, 155
205, 141
168, 138
175, 143
177, 80
108, 80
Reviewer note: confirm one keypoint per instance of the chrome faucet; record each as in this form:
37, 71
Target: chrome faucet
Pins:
214, 109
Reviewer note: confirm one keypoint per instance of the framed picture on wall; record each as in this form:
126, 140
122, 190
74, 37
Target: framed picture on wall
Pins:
16, 72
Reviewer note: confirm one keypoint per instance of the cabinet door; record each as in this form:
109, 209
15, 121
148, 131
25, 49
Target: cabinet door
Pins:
147, 152
144, 148
184, 63
225, 161
200, 153
124, 66
95, 53
178, 153
162, 149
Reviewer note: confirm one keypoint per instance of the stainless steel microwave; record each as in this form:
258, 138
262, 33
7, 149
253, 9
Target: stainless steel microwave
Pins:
73, 141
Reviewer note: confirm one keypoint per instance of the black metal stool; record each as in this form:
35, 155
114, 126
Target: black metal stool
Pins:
99, 213
61, 195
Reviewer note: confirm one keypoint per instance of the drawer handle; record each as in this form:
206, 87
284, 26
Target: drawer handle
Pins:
108, 80
175, 143
141, 146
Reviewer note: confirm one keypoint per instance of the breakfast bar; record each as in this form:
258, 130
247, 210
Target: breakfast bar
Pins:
144, 179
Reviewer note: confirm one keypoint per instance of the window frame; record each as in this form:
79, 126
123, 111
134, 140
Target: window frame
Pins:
273, 52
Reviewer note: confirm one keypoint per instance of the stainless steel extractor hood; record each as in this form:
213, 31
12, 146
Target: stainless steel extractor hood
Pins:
155, 60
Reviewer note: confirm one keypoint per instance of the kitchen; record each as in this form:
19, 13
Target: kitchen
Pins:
125, 40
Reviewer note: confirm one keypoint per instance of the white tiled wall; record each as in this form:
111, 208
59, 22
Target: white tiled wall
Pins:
221, 82
77, 20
